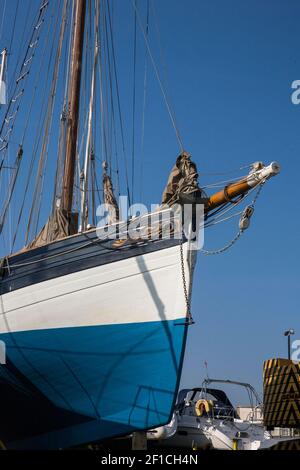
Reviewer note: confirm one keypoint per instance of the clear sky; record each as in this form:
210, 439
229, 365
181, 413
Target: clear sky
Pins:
230, 65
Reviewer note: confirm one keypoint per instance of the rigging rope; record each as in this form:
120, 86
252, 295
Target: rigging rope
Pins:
106, 87
2, 20
243, 224
133, 107
14, 25
41, 119
224, 182
113, 120
13, 103
163, 60
9, 119
243, 167
35, 208
170, 112
118, 102
68, 62
144, 106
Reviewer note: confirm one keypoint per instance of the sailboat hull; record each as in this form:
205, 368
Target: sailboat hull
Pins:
94, 353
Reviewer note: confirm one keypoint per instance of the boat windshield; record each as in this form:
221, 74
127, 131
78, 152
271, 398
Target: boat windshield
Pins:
218, 408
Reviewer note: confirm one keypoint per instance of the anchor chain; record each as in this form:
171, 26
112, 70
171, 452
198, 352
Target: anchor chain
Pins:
190, 320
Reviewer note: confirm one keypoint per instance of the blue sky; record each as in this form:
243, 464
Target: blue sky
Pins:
230, 65
237, 62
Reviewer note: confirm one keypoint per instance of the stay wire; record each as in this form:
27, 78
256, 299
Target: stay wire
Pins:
163, 62
14, 176
2, 20
38, 131
144, 107
14, 26
133, 106
119, 104
112, 110
171, 115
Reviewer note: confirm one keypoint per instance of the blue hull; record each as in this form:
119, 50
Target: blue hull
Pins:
68, 386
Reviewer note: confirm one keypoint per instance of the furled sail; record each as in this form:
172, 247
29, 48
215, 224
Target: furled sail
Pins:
110, 200
58, 226
2, 82
182, 179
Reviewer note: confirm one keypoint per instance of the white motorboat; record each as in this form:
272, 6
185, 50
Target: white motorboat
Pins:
206, 419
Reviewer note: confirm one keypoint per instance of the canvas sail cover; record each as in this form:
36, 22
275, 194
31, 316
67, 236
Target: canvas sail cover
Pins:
58, 226
110, 200
61, 225
182, 179
2, 92
2, 82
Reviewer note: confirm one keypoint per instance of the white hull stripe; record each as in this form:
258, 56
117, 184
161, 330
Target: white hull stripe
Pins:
142, 289
71, 255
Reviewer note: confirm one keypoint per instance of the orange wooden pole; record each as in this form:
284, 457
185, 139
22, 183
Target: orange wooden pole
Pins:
227, 194
230, 192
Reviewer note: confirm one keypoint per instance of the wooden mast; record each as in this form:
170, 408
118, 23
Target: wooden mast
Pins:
74, 101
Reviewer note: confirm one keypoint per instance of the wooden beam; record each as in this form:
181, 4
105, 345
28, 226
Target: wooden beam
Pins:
74, 102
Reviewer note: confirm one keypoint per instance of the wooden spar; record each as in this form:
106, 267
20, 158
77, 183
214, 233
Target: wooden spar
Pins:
241, 187
74, 101
227, 194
